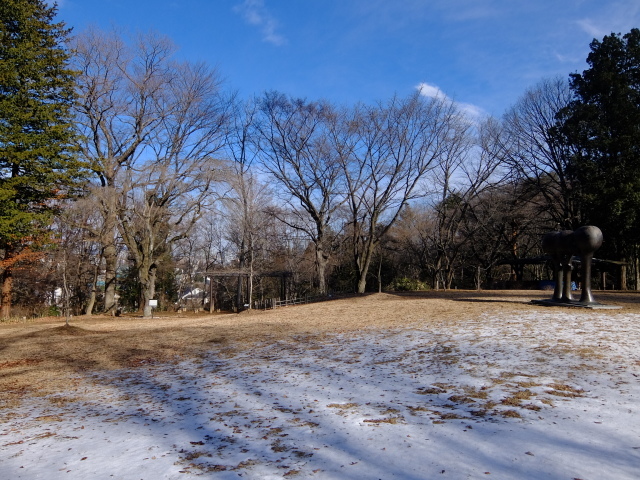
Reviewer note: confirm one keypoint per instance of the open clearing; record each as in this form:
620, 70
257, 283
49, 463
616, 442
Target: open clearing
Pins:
434, 385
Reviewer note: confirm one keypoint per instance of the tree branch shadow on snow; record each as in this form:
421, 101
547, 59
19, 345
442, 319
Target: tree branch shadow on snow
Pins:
340, 406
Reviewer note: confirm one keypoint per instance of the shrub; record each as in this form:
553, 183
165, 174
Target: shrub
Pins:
405, 284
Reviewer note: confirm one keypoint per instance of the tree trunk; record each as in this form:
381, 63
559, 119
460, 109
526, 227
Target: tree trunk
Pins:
7, 287
362, 283
436, 273
67, 291
450, 276
239, 289
148, 290
241, 265
212, 305
110, 254
250, 280
623, 275
92, 296
321, 270
110, 251
362, 274
363, 261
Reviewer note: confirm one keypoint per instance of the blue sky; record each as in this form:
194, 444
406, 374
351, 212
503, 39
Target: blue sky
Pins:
482, 53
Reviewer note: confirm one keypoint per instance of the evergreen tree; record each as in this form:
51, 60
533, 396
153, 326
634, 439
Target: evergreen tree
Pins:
602, 124
37, 165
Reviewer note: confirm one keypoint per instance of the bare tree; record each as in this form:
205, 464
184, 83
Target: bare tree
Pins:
83, 217
246, 209
167, 195
151, 127
531, 146
120, 92
387, 152
293, 137
243, 204
161, 207
505, 226
413, 232
462, 176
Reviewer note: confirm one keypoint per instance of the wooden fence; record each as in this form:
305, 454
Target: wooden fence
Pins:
271, 303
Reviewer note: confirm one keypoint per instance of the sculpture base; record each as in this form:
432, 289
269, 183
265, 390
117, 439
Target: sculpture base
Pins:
574, 304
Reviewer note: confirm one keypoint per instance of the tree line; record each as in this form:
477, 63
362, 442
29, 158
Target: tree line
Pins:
128, 175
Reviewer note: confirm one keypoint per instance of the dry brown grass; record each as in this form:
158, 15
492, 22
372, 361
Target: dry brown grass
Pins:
517, 398
562, 390
343, 406
510, 414
38, 357
389, 420
476, 393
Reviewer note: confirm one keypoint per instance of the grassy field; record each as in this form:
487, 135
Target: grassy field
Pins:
37, 356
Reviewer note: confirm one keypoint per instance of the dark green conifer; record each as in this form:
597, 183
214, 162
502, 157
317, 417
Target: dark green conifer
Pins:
603, 126
37, 162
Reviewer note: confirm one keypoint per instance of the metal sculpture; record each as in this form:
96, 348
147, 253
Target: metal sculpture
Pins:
562, 247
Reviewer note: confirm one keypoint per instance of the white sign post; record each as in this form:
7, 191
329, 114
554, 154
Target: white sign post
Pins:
153, 304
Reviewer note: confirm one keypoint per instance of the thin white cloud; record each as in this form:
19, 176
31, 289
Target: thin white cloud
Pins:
433, 91
571, 59
615, 17
589, 26
256, 14
471, 110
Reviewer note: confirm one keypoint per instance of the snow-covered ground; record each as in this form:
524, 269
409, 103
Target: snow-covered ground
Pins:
549, 394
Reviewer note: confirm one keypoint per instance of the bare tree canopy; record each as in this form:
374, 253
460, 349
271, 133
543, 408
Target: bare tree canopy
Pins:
535, 152
387, 153
294, 141
151, 126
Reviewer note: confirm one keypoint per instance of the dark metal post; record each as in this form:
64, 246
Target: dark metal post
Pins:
588, 240
587, 296
566, 281
557, 277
